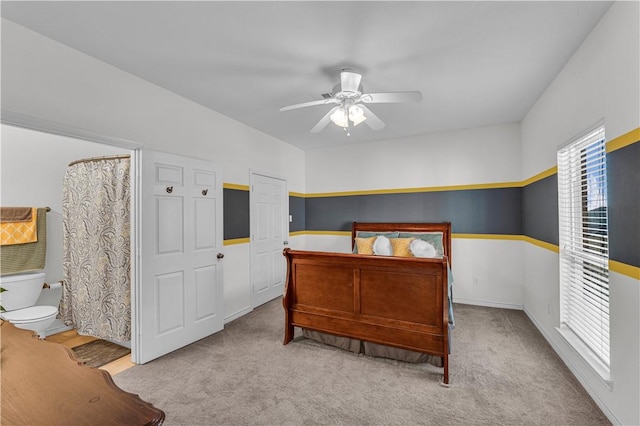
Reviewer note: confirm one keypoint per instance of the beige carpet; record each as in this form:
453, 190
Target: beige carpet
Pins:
502, 372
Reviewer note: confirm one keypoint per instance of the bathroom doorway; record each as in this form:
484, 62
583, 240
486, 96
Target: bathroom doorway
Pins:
34, 177
35, 157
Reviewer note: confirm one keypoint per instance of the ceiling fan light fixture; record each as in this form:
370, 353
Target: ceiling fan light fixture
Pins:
342, 115
340, 118
356, 114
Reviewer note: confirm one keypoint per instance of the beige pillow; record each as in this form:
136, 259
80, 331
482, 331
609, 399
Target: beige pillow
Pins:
365, 245
401, 246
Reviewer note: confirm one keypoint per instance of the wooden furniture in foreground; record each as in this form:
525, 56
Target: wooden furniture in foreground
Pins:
401, 302
43, 383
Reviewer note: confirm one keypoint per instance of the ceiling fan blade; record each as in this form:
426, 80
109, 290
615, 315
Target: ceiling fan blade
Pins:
308, 104
349, 81
324, 120
372, 120
391, 97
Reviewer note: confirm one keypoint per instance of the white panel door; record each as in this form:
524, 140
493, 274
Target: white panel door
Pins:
180, 298
269, 233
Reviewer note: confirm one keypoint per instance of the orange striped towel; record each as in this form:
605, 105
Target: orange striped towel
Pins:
20, 232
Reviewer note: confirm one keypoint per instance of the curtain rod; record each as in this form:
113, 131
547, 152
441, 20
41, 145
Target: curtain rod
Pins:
108, 157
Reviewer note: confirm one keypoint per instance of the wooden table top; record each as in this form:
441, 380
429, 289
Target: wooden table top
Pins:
43, 383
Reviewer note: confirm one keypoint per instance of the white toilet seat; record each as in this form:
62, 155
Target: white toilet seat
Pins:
31, 314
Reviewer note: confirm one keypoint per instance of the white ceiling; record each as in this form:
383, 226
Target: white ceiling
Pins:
476, 63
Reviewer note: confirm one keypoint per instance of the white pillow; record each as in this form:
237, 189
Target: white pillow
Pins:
382, 246
421, 248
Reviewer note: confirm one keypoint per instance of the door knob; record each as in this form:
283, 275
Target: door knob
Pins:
205, 191
220, 255
169, 189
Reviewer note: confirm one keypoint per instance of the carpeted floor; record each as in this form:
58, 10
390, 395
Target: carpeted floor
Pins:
99, 352
502, 371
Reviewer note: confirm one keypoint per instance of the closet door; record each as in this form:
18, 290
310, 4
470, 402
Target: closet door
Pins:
269, 234
180, 299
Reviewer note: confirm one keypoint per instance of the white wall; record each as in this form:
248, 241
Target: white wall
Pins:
49, 81
485, 155
486, 271
600, 82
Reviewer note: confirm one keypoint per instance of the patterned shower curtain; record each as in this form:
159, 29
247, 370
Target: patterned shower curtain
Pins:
96, 297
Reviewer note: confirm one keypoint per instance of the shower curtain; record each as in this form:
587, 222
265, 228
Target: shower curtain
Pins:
96, 297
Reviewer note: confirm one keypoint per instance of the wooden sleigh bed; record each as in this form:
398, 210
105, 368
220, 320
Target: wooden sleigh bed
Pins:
402, 303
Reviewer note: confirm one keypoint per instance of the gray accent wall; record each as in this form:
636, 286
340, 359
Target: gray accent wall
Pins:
297, 210
236, 213
623, 196
480, 211
540, 210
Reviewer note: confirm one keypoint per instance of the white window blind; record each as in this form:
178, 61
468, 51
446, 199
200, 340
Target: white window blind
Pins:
584, 249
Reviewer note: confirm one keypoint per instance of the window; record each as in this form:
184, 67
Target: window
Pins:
584, 249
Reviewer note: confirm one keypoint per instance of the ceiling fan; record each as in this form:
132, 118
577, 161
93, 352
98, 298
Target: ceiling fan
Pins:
350, 99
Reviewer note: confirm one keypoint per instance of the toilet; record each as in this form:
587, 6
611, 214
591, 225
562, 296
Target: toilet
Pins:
22, 292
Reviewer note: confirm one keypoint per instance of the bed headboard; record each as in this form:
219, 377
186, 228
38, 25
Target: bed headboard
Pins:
444, 227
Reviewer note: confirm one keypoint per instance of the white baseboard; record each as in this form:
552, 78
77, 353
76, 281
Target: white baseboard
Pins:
237, 315
576, 372
488, 304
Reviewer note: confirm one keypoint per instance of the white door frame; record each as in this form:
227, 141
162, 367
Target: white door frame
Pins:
253, 172
136, 250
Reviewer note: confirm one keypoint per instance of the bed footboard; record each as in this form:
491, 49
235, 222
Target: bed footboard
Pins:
394, 301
